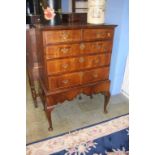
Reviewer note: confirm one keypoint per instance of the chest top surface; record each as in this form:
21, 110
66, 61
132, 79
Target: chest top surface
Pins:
73, 26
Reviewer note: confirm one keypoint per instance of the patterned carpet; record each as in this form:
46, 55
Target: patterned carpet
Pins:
105, 138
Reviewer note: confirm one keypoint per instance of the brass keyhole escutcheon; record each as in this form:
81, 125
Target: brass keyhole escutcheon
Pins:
95, 75
105, 49
82, 46
65, 66
64, 50
99, 46
81, 60
65, 81
64, 35
98, 35
96, 61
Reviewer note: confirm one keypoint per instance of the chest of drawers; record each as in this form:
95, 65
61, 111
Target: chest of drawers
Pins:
73, 59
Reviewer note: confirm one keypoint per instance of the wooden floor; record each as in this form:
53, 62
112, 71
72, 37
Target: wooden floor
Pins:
71, 115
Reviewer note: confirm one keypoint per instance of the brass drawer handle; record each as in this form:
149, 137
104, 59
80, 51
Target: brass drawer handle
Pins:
99, 46
65, 81
82, 46
96, 61
105, 50
95, 75
109, 34
81, 60
65, 66
64, 35
64, 50
98, 35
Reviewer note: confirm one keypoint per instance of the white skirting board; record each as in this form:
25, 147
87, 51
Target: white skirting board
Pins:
125, 85
124, 93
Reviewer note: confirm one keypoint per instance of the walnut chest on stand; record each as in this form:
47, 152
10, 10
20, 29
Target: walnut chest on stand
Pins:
73, 59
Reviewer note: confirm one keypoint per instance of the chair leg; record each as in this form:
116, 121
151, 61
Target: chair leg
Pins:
34, 96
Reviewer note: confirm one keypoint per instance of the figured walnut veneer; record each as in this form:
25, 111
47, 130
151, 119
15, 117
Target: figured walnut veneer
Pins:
73, 59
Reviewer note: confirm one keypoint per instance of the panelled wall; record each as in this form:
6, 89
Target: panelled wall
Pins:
117, 12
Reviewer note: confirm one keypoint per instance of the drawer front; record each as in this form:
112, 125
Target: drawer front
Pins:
95, 75
77, 63
91, 34
64, 81
59, 36
78, 78
69, 95
60, 51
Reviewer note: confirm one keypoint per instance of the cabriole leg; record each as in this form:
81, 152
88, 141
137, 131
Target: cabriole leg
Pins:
49, 118
107, 97
91, 96
48, 111
80, 97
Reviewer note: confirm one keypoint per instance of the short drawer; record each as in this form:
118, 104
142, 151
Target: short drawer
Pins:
77, 63
60, 51
59, 36
92, 34
95, 75
66, 50
64, 81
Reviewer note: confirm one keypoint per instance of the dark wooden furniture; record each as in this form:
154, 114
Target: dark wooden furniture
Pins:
32, 62
81, 9
73, 59
32, 12
74, 17
33, 19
